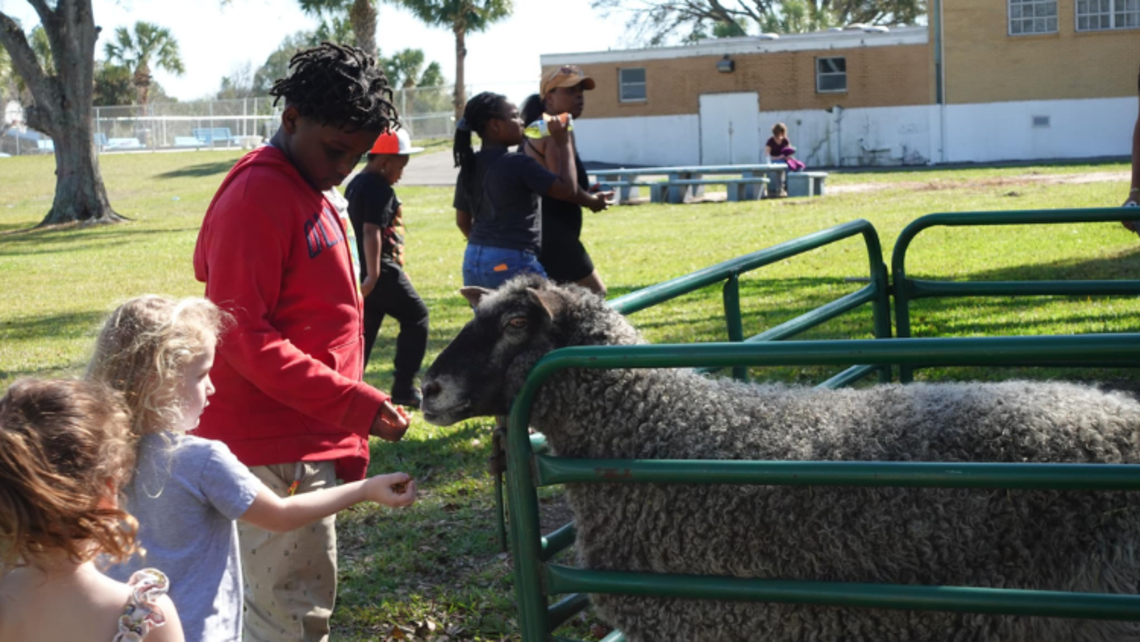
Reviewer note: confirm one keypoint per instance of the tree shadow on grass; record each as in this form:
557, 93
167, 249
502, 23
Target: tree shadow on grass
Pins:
1123, 266
30, 242
9, 229
37, 327
200, 170
72, 369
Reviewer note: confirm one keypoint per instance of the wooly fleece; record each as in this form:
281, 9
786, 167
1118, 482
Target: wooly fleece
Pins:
1046, 540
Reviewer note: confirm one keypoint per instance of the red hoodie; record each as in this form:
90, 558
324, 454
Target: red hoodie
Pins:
272, 252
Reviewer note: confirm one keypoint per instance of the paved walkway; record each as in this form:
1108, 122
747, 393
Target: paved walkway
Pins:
435, 169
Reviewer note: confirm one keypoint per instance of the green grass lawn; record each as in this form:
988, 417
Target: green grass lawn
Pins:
438, 561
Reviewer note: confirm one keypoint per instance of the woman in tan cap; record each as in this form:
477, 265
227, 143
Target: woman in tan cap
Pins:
563, 255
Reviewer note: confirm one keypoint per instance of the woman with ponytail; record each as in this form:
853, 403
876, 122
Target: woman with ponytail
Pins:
497, 196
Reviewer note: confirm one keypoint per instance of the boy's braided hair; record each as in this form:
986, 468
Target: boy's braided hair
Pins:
338, 85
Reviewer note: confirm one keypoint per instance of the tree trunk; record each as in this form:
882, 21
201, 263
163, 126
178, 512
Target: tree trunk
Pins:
142, 83
460, 55
63, 108
362, 17
79, 192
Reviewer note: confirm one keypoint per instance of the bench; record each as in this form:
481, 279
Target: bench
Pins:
806, 183
187, 141
626, 189
211, 135
124, 143
247, 142
739, 189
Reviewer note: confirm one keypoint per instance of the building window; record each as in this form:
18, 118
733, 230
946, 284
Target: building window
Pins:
632, 84
1032, 16
1095, 15
830, 75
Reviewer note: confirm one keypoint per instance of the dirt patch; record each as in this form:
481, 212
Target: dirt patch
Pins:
554, 512
1032, 178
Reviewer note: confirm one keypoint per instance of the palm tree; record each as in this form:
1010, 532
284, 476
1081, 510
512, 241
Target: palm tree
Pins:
361, 15
42, 47
403, 67
462, 17
136, 51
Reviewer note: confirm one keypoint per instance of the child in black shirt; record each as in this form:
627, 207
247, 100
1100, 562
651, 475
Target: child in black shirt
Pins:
497, 195
377, 220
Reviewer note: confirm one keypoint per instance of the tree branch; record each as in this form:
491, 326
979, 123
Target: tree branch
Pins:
24, 60
42, 9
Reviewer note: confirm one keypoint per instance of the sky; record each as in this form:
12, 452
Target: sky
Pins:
216, 39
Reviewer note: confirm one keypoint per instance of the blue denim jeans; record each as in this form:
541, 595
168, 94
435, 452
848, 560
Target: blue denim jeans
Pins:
490, 267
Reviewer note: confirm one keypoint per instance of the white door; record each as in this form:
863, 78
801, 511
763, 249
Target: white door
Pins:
730, 128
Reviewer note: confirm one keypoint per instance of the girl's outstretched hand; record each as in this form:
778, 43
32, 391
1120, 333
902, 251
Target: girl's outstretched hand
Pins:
395, 490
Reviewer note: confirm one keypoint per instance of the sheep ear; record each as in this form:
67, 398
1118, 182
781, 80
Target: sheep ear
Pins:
549, 301
474, 294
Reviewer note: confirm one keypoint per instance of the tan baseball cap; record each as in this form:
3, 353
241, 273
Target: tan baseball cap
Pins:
565, 76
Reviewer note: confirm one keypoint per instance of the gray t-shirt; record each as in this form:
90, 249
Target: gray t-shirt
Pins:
187, 493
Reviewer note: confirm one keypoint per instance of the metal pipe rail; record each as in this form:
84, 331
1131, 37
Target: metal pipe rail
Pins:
535, 579
877, 292
906, 289
964, 599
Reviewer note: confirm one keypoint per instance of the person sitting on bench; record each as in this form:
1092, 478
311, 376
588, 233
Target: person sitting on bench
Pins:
780, 148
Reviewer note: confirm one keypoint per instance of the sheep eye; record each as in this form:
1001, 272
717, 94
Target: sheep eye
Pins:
518, 322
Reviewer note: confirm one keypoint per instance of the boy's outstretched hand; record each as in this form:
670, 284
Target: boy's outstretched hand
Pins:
395, 490
390, 424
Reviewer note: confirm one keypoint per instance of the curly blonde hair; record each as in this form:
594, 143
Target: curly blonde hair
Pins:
144, 347
65, 449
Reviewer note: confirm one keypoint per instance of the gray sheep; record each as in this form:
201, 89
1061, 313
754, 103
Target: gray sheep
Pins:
1047, 540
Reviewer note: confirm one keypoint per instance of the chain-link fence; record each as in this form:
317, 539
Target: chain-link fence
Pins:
221, 124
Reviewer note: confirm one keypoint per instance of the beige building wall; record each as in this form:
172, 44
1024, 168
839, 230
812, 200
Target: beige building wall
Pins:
876, 76
985, 64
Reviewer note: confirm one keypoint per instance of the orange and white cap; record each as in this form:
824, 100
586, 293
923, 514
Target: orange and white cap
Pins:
394, 142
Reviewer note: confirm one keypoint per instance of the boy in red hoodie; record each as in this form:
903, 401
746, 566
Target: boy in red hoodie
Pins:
290, 401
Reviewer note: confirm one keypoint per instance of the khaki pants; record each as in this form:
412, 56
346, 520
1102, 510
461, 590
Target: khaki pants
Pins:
290, 578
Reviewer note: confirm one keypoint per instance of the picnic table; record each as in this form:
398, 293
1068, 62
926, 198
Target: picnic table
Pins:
690, 180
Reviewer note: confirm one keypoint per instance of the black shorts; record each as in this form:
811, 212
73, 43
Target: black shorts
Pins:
566, 261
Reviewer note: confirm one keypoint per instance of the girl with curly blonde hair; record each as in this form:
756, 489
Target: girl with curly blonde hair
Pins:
187, 492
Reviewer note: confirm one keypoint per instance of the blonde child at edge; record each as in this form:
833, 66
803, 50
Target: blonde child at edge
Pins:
188, 492
65, 448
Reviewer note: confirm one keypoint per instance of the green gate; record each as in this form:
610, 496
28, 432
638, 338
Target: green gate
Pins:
529, 467
876, 292
907, 289
537, 578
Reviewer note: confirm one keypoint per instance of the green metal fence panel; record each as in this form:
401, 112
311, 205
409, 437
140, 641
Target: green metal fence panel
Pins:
536, 580
877, 292
1099, 606
555, 470
906, 289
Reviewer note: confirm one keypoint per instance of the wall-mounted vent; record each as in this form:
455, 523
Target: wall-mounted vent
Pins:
1040, 121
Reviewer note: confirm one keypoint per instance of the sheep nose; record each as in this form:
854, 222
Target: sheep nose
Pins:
431, 389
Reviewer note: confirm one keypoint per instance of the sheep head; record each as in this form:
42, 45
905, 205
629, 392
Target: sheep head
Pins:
483, 368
